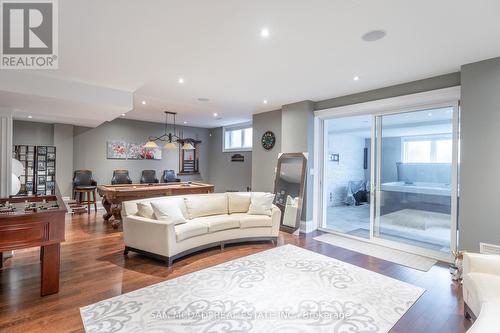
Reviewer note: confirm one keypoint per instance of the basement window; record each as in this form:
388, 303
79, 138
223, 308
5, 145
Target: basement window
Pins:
430, 149
237, 138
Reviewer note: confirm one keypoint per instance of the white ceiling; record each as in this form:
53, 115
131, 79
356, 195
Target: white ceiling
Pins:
313, 52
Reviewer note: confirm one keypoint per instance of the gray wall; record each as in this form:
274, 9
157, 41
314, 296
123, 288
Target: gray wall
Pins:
264, 162
63, 140
297, 135
224, 174
90, 149
480, 162
32, 133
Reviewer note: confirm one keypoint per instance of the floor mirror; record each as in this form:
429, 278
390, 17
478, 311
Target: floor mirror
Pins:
289, 188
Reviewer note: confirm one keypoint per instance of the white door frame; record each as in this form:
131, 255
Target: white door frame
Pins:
408, 103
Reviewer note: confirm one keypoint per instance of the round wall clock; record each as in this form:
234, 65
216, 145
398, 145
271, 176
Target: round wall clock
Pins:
268, 140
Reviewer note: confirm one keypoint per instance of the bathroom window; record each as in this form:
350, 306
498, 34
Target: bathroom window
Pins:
427, 149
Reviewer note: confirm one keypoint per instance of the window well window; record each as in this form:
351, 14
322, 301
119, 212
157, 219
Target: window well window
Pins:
427, 149
237, 138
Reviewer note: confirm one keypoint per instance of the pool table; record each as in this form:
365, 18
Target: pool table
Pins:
114, 195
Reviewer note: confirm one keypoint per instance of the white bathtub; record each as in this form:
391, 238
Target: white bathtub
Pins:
418, 187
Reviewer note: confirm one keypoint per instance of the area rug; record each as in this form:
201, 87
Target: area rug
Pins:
285, 289
399, 257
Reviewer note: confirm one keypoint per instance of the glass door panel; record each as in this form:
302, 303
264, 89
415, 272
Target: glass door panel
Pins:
414, 178
346, 175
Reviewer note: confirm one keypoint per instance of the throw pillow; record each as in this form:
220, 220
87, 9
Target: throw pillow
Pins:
261, 203
168, 212
144, 209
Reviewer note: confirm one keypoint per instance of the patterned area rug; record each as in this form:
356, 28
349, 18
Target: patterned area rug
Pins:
285, 289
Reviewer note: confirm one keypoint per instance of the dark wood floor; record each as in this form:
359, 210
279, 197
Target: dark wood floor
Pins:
94, 268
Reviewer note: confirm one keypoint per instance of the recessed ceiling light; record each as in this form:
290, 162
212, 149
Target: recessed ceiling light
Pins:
264, 32
373, 35
123, 114
264, 101
215, 114
185, 122
181, 80
356, 78
430, 114
143, 102
29, 117
203, 99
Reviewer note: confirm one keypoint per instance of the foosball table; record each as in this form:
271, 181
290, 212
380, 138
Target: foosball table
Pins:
35, 221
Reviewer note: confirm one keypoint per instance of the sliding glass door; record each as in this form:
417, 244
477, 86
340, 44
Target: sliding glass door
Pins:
347, 175
390, 177
414, 178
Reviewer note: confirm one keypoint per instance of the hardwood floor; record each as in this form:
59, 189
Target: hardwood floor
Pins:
93, 268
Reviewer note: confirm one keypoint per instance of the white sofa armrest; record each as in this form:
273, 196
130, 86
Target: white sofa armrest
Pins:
481, 263
487, 320
147, 235
275, 220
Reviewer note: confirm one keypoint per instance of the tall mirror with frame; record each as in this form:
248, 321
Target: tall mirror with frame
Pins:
289, 188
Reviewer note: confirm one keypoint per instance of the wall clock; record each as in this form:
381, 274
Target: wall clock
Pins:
268, 140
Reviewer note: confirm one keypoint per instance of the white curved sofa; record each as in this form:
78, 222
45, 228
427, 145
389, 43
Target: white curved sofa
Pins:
211, 220
481, 291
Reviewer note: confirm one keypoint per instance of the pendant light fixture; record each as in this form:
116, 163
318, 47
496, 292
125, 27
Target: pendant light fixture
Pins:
170, 138
187, 146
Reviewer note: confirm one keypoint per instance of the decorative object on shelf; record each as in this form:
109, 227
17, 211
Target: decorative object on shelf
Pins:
268, 140
188, 156
237, 158
169, 138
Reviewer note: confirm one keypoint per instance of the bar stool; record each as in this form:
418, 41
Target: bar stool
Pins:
89, 193
85, 185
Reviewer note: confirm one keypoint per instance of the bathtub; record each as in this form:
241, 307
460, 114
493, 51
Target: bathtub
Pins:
418, 188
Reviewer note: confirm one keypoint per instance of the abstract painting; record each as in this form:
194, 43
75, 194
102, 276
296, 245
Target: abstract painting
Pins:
117, 149
136, 151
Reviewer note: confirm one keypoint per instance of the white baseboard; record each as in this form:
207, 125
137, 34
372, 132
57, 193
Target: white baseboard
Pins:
307, 226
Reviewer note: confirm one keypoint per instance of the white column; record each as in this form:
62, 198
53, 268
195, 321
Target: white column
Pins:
5, 152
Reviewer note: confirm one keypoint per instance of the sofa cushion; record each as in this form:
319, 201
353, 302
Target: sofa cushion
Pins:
261, 203
206, 205
190, 229
254, 221
169, 212
238, 202
219, 222
144, 209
